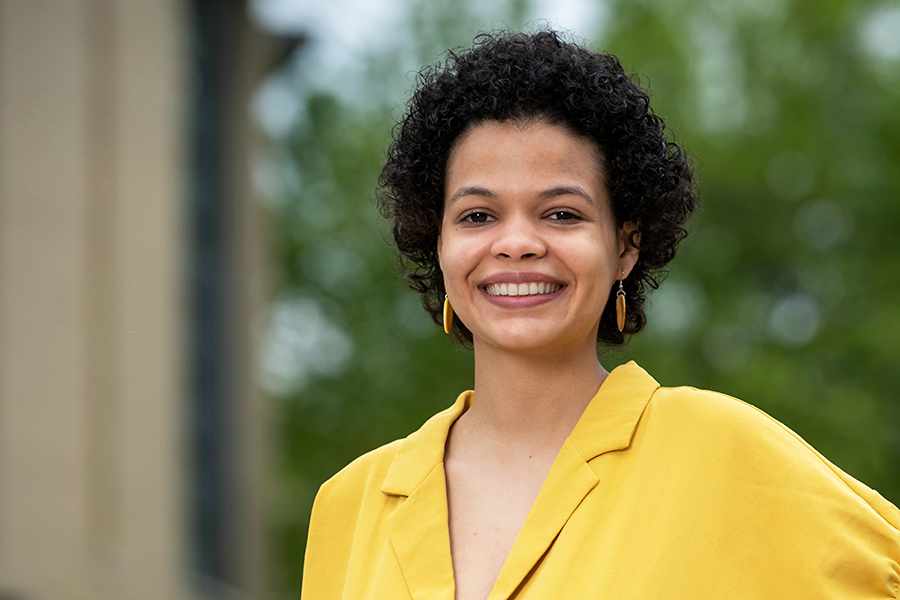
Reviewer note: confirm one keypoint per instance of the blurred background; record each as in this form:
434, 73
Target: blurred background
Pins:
200, 317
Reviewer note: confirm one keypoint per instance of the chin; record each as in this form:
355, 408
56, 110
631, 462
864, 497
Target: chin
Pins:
525, 340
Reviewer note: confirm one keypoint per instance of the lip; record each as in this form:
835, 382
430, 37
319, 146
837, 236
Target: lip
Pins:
520, 301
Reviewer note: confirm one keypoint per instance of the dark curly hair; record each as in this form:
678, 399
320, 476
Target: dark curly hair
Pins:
529, 76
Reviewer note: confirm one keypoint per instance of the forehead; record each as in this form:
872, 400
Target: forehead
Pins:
536, 125
522, 151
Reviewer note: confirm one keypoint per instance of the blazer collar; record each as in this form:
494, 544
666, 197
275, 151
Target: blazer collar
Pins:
418, 527
611, 418
421, 451
608, 424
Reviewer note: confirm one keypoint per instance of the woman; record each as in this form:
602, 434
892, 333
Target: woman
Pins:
535, 197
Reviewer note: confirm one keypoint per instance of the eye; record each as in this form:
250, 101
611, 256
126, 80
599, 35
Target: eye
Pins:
563, 215
476, 217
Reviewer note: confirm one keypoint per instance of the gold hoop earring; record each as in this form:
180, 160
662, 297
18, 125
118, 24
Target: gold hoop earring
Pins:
620, 307
448, 315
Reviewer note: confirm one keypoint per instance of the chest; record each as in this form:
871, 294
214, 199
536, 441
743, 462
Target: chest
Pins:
486, 511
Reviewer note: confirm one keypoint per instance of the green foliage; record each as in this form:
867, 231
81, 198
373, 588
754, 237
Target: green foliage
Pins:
783, 296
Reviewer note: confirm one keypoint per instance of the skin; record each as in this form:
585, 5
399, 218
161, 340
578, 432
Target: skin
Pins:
523, 202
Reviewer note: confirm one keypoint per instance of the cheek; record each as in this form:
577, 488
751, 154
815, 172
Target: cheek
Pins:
595, 264
599, 255
459, 258
454, 256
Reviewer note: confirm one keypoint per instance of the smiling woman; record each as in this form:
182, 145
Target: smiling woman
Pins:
647, 179
527, 207
533, 191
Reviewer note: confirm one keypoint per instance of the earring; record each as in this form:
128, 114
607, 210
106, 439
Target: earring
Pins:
448, 315
620, 306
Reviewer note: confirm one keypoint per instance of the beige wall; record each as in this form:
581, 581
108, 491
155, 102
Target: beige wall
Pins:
93, 392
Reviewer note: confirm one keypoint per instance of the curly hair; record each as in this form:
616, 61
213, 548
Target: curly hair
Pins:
529, 76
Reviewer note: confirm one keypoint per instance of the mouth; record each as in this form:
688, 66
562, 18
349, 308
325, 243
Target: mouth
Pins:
522, 289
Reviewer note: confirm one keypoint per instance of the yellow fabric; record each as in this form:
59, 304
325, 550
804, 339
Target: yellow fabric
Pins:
658, 493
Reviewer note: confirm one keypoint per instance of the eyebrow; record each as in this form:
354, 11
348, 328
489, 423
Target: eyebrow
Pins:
567, 190
472, 190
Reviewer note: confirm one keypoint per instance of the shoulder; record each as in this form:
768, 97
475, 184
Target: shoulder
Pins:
721, 419
361, 477
730, 439
355, 491
732, 435
693, 407
725, 475
349, 497
392, 470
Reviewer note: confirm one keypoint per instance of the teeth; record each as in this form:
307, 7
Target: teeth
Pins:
522, 289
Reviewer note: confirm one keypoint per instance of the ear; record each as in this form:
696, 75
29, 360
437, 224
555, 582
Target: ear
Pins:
628, 250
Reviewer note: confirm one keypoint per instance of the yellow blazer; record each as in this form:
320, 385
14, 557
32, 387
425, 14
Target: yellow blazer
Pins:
659, 493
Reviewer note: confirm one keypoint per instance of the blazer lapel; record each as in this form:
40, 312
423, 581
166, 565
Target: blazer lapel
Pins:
610, 420
607, 425
569, 481
421, 541
417, 529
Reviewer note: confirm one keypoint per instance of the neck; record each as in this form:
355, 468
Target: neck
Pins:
533, 399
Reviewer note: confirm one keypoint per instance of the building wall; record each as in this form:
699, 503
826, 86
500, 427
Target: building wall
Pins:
94, 417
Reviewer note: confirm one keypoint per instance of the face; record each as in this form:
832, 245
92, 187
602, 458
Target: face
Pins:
529, 247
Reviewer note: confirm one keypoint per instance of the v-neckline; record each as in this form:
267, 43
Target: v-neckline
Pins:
419, 527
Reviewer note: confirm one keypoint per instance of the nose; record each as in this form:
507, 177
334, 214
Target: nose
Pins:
518, 238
